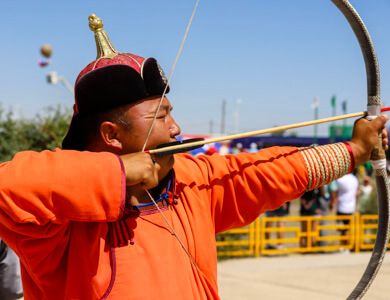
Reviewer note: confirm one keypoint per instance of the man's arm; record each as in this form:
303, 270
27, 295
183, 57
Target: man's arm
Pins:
242, 186
141, 170
61, 186
333, 199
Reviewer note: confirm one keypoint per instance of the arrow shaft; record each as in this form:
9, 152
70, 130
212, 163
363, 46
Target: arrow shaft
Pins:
258, 132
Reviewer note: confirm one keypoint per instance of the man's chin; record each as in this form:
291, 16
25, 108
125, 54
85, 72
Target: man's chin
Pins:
166, 166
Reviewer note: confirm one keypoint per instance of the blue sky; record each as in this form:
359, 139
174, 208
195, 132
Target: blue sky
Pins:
276, 56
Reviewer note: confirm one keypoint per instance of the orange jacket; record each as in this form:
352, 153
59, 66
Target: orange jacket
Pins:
63, 213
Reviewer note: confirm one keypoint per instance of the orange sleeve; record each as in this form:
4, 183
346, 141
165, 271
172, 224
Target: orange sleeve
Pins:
241, 187
61, 186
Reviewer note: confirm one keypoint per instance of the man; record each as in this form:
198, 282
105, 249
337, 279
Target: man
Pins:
310, 206
364, 196
282, 211
345, 199
82, 222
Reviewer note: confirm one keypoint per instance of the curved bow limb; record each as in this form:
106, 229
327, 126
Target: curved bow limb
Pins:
378, 157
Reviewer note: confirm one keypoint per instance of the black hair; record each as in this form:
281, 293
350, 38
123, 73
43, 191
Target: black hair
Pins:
90, 124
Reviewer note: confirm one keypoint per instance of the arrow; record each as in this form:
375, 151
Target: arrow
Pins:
190, 144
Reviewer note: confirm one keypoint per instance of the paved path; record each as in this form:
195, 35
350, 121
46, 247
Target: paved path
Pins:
300, 277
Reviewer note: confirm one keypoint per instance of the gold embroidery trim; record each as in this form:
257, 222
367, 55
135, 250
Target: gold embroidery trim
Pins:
325, 163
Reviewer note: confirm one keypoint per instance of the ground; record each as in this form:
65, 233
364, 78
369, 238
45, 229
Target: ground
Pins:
299, 277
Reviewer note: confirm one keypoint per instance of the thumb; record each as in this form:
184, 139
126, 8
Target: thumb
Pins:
380, 121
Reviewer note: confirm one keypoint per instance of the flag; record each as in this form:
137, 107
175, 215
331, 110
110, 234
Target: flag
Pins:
344, 106
333, 101
316, 103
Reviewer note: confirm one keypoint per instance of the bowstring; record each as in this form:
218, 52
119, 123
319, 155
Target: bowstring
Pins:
174, 232
170, 76
151, 128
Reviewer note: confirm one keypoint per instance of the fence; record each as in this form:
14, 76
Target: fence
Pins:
300, 235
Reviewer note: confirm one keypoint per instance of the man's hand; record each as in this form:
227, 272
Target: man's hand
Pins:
365, 137
141, 169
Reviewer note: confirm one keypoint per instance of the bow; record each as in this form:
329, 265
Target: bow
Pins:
378, 157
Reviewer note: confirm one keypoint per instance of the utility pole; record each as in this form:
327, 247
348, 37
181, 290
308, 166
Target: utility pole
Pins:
333, 104
344, 107
236, 115
53, 78
315, 105
223, 111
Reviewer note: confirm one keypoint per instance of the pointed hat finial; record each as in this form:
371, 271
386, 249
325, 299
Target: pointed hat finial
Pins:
105, 49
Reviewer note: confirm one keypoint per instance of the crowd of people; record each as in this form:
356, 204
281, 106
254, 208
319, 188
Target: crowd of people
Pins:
342, 197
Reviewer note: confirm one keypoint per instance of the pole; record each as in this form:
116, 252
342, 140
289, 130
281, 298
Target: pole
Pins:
315, 105
66, 84
53, 78
237, 116
223, 115
333, 103
316, 126
211, 125
344, 106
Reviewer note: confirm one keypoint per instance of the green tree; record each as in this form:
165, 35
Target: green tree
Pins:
48, 129
278, 133
45, 131
293, 134
10, 139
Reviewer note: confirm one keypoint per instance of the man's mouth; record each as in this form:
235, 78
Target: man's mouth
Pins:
178, 143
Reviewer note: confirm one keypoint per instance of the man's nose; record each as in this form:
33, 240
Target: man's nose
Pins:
174, 129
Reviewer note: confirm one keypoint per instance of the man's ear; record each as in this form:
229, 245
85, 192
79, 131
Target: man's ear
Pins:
109, 132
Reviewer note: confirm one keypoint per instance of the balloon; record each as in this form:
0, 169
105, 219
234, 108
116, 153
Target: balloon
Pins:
46, 50
43, 62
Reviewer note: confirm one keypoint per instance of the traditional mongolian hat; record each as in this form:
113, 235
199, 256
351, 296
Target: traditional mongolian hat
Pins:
112, 80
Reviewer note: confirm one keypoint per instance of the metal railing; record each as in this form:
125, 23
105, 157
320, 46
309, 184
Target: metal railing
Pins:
308, 234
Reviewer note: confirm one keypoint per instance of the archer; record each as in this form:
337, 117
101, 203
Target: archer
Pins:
81, 219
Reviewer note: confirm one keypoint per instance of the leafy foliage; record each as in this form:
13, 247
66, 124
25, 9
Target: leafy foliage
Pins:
370, 207
278, 133
45, 131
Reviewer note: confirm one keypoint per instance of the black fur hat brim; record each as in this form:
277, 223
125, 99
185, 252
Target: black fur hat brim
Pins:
109, 87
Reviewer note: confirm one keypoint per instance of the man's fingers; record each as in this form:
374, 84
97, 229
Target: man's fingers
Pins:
141, 169
385, 138
150, 179
380, 121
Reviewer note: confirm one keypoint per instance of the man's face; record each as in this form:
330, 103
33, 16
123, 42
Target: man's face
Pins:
140, 117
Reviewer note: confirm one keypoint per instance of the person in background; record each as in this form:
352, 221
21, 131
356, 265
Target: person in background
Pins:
10, 279
225, 148
310, 206
279, 212
253, 148
238, 148
345, 200
364, 194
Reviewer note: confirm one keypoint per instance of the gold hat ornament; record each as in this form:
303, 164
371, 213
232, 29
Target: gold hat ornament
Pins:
106, 52
103, 44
